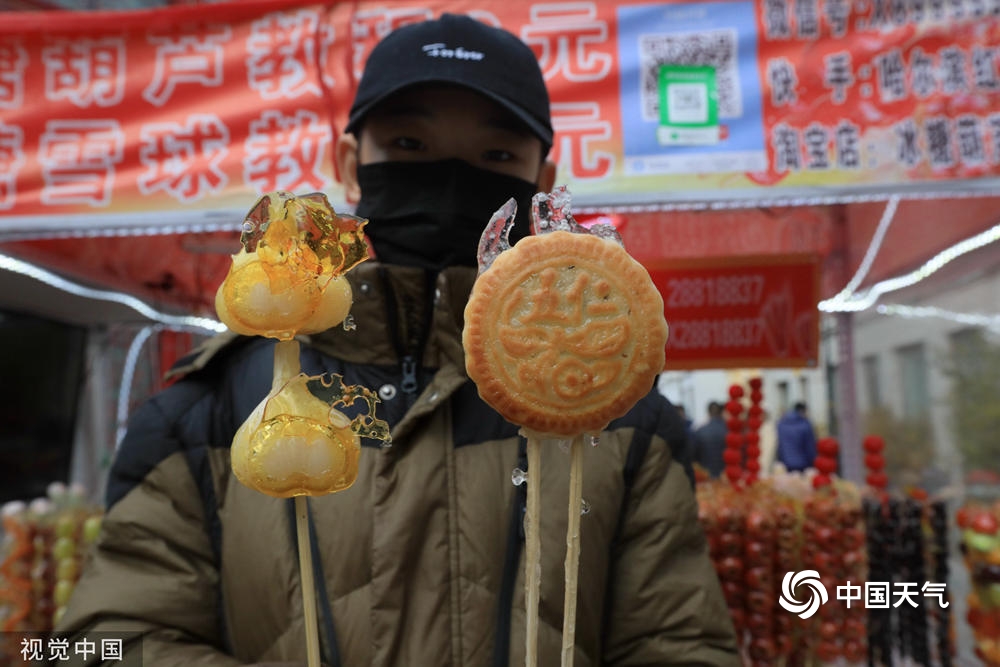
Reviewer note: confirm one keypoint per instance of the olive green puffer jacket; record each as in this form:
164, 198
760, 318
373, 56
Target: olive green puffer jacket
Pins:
419, 563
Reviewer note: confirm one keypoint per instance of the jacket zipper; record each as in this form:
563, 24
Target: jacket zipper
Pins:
410, 383
411, 355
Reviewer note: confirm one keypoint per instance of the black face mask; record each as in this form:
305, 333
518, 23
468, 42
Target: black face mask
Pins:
432, 214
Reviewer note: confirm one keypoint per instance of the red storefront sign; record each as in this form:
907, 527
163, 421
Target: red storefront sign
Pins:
743, 312
183, 116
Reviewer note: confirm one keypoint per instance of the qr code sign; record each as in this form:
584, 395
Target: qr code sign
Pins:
712, 48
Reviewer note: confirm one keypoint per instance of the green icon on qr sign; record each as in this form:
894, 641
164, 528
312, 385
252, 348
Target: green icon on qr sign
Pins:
689, 106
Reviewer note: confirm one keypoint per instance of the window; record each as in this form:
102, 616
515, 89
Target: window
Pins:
873, 380
967, 348
913, 376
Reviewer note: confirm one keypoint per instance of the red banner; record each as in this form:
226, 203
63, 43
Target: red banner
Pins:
742, 312
182, 116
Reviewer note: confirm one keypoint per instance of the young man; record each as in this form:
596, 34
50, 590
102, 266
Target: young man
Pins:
796, 439
419, 563
710, 441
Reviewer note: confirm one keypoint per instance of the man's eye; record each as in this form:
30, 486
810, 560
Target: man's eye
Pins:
498, 155
408, 144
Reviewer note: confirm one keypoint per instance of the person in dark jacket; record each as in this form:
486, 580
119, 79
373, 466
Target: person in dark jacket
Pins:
420, 561
796, 439
710, 441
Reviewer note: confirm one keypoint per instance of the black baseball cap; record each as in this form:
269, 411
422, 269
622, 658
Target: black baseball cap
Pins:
460, 50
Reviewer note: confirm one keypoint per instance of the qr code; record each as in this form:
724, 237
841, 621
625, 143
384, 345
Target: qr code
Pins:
713, 48
690, 99
687, 103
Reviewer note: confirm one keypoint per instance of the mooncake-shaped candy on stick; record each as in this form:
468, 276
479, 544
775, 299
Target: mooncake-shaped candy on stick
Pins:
564, 332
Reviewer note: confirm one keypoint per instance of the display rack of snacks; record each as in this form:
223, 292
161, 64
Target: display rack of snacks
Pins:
786, 524
979, 522
45, 543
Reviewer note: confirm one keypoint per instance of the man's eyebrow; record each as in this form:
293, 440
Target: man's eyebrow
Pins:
508, 123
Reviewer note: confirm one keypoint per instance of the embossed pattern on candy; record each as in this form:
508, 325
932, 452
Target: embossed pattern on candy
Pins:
565, 331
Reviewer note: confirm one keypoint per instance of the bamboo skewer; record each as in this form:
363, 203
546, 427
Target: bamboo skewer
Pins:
287, 365
572, 550
533, 550
306, 575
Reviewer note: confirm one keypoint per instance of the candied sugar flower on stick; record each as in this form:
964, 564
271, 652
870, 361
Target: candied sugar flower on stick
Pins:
286, 280
564, 332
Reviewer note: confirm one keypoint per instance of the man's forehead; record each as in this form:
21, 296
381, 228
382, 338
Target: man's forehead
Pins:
430, 100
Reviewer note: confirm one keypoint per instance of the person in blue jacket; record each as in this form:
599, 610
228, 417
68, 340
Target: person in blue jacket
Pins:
796, 439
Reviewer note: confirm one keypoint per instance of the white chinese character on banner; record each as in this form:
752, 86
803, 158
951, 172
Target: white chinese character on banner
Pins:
78, 160
898, 12
984, 68
850, 593
891, 76
905, 595
287, 152
577, 126
969, 136
781, 76
880, 13
776, 23
847, 140
787, 149
907, 148
111, 649
11, 161
807, 19
59, 649
13, 62
837, 13
923, 77
837, 75
564, 35
817, 140
85, 648
932, 590
283, 47
85, 72
191, 58
877, 594
184, 160
369, 26
32, 649
953, 77
939, 147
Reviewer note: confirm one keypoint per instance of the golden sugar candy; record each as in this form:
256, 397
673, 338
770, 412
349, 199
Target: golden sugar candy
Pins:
296, 443
288, 277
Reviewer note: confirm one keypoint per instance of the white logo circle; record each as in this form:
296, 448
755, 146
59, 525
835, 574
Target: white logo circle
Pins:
817, 593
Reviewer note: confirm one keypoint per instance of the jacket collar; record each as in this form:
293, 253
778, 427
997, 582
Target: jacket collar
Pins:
371, 341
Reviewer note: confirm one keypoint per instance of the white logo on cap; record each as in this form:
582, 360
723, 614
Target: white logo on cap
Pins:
440, 50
